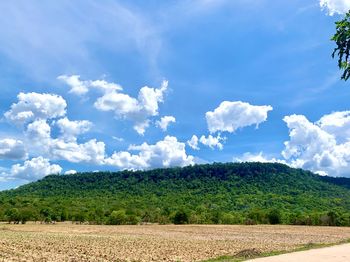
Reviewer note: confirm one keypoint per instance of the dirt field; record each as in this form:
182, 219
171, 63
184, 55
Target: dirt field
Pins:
68, 242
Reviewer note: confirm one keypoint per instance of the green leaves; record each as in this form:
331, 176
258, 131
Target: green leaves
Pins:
342, 40
216, 193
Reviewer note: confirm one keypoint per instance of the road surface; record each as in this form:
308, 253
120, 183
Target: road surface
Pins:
339, 253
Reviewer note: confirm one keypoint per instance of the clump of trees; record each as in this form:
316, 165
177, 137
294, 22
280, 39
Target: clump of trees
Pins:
246, 193
182, 216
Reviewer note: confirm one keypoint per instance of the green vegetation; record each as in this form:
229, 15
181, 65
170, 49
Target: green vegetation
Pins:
342, 39
233, 193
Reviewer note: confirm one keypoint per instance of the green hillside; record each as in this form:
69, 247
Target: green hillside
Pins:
234, 193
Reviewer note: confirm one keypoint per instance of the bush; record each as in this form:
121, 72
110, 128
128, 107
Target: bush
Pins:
117, 218
181, 217
228, 219
13, 215
274, 217
133, 220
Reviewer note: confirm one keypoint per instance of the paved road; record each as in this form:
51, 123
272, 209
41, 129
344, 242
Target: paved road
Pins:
339, 253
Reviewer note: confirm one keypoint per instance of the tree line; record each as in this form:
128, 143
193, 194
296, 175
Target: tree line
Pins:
232, 193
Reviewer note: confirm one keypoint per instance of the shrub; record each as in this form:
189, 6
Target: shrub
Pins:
274, 217
181, 217
117, 218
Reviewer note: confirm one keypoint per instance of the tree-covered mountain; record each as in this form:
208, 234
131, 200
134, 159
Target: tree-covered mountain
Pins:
214, 193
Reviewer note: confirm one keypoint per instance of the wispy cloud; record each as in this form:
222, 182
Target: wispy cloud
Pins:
49, 36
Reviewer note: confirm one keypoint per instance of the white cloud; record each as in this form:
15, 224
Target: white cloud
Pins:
34, 169
38, 138
12, 149
164, 122
141, 127
149, 98
70, 172
119, 139
32, 106
209, 141
212, 142
77, 87
92, 152
335, 6
165, 153
259, 157
80, 87
124, 106
193, 142
34, 110
40, 142
137, 110
337, 124
71, 129
39, 130
321, 146
230, 116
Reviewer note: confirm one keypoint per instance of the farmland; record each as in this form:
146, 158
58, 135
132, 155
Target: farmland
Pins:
70, 242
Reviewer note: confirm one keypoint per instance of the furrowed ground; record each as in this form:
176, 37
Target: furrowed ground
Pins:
69, 242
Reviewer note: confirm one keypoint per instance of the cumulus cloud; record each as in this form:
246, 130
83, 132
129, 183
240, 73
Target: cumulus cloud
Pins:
34, 111
335, 6
164, 122
322, 146
77, 87
259, 157
32, 106
123, 105
193, 142
137, 110
70, 172
39, 130
71, 129
230, 116
41, 143
92, 151
12, 149
212, 141
34, 169
81, 87
337, 124
165, 153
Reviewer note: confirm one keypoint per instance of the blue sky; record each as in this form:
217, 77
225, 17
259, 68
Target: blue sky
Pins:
85, 84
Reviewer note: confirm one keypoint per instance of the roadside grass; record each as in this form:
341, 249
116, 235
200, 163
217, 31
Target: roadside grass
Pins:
254, 253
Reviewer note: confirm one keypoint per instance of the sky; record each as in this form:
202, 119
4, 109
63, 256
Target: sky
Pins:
113, 85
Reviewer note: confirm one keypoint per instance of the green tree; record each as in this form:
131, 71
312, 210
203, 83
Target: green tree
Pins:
181, 217
342, 40
26, 215
80, 217
13, 215
274, 217
118, 218
46, 214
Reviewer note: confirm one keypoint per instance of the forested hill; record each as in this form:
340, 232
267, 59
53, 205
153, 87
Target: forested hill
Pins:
212, 193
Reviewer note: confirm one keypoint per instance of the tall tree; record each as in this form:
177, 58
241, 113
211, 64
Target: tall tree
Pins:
342, 51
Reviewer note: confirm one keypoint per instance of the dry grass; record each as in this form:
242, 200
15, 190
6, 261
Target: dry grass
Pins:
68, 242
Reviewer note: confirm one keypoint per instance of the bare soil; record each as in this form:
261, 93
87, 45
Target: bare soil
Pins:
70, 242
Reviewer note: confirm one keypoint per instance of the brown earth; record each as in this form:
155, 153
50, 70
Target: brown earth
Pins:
69, 242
